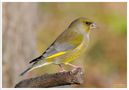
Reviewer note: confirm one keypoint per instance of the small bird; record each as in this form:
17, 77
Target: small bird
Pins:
68, 46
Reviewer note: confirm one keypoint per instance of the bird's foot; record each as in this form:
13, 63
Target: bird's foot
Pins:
74, 66
62, 69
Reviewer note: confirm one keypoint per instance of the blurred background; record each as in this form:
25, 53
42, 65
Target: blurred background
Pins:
29, 28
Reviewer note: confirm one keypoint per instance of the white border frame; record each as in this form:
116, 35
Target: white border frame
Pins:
0, 44
61, 1
64, 0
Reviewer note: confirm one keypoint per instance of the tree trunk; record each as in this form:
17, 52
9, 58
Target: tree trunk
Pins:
19, 42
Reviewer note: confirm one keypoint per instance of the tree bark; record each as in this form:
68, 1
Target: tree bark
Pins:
20, 20
52, 80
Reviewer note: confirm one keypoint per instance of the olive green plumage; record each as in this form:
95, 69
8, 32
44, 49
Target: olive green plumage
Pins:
68, 46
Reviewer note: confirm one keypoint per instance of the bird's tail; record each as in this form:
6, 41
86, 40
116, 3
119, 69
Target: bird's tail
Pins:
36, 59
28, 69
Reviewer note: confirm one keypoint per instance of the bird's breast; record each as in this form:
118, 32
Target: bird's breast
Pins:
74, 54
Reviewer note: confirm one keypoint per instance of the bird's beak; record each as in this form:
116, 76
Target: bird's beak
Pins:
93, 26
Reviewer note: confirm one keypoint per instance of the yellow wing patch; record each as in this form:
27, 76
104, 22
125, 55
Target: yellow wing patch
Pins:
55, 55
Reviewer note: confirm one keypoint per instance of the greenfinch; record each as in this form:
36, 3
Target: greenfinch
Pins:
68, 46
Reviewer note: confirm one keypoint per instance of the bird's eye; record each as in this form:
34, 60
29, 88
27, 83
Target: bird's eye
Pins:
88, 23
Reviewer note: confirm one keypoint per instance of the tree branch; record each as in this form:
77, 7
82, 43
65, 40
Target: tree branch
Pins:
52, 80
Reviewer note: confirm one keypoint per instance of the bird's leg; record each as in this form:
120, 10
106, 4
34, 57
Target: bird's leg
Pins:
74, 66
62, 69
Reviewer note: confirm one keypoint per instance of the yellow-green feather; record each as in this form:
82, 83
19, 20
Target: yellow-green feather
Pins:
55, 55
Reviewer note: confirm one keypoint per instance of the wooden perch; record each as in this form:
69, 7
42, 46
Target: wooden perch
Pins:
52, 80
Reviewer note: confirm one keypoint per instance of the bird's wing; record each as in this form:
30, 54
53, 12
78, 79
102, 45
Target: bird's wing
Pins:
67, 41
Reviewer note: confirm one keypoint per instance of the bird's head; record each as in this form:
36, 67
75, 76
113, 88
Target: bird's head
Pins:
85, 23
